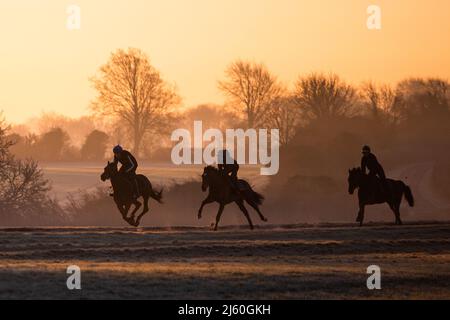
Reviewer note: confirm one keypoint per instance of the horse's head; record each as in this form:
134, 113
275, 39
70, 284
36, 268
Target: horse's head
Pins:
354, 177
208, 174
109, 171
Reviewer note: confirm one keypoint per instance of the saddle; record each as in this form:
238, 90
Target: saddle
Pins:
133, 182
379, 188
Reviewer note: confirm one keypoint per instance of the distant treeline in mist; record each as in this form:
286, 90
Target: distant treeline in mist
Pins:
323, 123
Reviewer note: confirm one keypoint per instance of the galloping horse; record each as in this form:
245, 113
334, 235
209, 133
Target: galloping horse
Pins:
123, 193
221, 191
371, 192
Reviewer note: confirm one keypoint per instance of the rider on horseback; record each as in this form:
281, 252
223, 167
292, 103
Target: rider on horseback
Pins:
128, 167
370, 162
229, 168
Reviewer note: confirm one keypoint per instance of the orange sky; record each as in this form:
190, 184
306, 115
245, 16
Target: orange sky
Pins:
45, 67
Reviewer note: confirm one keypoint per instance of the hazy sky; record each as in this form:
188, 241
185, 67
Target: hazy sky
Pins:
45, 67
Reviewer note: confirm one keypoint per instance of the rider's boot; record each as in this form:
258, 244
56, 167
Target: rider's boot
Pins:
386, 191
235, 187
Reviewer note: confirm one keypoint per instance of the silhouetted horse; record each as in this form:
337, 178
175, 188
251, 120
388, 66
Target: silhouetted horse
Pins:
371, 192
123, 193
221, 191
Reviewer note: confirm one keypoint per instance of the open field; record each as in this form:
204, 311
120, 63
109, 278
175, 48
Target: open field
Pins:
275, 262
71, 177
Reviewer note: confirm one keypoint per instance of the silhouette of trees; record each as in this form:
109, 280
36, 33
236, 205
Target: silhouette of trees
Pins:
23, 188
95, 145
382, 101
251, 88
324, 97
5, 143
423, 98
212, 116
52, 145
284, 115
130, 89
77, 128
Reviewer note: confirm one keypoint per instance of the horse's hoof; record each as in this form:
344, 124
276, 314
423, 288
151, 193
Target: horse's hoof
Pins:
265, 219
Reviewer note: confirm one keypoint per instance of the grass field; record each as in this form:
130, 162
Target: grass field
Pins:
275, 262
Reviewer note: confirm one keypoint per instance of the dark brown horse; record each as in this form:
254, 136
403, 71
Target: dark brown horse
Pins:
123, 193
221, 191
371, 192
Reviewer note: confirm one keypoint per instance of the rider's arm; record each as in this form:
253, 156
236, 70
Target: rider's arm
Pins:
131, 164
363, 164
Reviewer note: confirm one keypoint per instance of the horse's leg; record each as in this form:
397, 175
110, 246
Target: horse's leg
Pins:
395, 207
144, 211
360, 218
240, 203
397, 215
124, 211
137, 205
255, 206
219, 214
204, 202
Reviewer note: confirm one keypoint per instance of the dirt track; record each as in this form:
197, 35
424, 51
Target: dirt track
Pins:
277, 262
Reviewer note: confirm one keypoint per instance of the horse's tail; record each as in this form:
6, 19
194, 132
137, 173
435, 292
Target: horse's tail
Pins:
157, 195
408, 195
249, 193
254, 196
257, 197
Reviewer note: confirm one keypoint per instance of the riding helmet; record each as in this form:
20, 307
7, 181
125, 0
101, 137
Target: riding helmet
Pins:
117, 149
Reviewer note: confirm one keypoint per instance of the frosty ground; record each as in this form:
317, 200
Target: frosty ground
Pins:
274, 262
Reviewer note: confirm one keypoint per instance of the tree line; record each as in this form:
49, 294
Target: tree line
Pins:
131, 90
142, 108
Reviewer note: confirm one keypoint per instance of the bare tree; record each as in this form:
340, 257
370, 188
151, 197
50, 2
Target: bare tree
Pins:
382, 101
5, 144
284, 115
132, 90
251, 88
324, 96
23, 188
421, 98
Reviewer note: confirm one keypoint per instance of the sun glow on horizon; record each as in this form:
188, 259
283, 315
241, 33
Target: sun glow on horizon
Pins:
46, 67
